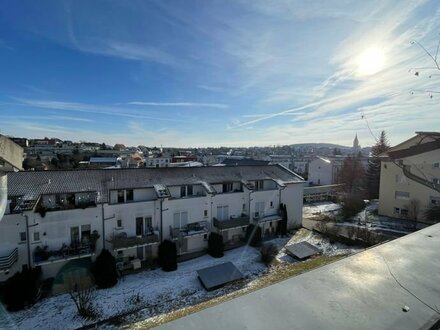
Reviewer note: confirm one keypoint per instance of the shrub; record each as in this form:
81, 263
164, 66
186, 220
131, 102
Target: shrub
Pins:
168, 256
352, 206
82, 292
215, 245
105, 271
268, 253
253, 235
22, 289
432, 214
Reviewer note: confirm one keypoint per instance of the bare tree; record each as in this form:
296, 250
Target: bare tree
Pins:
413, 208
82, 291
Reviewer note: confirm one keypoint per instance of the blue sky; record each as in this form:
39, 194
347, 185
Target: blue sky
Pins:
211, 73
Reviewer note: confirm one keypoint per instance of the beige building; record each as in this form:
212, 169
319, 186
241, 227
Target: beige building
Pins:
410, 177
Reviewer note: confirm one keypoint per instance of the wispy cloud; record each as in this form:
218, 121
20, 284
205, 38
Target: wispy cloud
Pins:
181, 104
92, 108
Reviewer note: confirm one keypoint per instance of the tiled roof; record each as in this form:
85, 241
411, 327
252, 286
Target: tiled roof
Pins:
35, 183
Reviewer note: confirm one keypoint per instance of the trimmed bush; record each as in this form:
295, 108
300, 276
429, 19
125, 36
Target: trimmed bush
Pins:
104, 270
22, 289
215, 245
253, 235
168, 256
268, 253
352, 206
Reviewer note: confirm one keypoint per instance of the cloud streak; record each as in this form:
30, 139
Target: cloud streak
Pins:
181, 104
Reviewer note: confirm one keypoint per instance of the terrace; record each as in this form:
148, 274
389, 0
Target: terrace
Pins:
232, 222
195, 228
122, 241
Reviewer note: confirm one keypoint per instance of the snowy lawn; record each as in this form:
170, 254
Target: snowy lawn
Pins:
154, 292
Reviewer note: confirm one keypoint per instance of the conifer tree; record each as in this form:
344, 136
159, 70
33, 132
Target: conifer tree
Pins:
373, 171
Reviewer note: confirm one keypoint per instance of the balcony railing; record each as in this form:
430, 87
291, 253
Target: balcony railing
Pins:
121, 241
66, 252
195, 228
239, 221
6, 261
266, 216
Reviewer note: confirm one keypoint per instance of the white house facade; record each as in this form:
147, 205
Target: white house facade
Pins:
54, 217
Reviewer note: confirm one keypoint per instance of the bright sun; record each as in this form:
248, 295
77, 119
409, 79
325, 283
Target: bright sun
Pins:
370, 61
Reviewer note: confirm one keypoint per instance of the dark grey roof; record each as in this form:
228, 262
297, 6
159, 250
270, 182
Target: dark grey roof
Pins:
245, 162
34, 183
217, 276
302, 250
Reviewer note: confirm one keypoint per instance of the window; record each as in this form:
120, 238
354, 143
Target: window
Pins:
189, 190
436, 181
85, 233
139, 226
401, 195
119, 223
129, 195
74, 235
121, 196
186, 191
180, 219
227, 187
149, 223
36, 236
271, 205
243, 207
183, 191
436, 165
259, 209
396, 211
205, 213
23, 236
401, 178
404, 213
223, 212
435, 201
259, 185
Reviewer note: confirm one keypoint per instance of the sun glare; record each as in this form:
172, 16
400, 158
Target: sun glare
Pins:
370, 61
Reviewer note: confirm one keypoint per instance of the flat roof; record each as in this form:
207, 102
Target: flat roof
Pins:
302, 250
368, 290
219, 275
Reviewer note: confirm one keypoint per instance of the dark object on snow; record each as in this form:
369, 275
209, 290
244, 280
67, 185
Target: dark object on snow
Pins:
268, 253
217, 276
22, 289
215, 245
282, 224
168, 256
104, 270
302, 250
253, 235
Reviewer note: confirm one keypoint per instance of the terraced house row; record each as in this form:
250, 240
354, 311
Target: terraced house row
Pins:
54, 217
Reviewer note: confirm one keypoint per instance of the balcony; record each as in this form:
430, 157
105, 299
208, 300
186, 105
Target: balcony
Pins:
195, 228
8, 259
42, 255
122, 242
260, 217
232, 222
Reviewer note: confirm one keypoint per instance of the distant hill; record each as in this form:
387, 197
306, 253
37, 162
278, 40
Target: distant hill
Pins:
319, 145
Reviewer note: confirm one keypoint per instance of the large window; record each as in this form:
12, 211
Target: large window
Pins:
180, 219
121, 196
129, 195
223, 212
259, 209
227, 187
186, 191
401, 195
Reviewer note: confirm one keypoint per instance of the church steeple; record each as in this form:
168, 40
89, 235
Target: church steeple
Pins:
356, 147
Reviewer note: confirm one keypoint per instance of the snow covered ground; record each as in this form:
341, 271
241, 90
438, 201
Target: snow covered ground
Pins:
155, 292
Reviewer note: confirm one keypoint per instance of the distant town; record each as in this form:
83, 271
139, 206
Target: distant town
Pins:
56, 154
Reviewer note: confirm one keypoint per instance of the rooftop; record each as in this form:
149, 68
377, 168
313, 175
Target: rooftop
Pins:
392, 286
35, 183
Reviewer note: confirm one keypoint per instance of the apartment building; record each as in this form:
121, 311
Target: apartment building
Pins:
57, 216
410, 177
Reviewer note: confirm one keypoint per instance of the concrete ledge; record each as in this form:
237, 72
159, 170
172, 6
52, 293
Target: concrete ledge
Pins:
369, 290
11, 154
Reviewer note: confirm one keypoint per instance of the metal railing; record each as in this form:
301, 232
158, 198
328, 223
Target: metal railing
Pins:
195, 228
123, 242
8, 260
239, 221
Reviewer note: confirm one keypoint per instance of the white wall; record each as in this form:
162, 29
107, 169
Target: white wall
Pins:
292, 196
